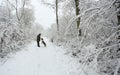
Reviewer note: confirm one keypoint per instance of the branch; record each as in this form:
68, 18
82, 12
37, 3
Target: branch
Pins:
91, 9
11, 4
49, 4
23, 9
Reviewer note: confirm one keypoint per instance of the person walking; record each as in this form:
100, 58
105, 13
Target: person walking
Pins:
38, 39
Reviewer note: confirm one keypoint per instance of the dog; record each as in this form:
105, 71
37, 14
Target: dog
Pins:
43, 42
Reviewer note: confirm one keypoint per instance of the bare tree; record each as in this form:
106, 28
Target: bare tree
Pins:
57, 22
118, 16
77, 12
54, 6
117, 5
16, 7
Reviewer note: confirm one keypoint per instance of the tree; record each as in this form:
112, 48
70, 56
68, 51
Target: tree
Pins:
17, 4
57, 22
28, 16
119, 24
54, 6
11, 37
77, 12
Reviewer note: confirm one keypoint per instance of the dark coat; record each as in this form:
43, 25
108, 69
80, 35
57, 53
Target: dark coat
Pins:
38, 37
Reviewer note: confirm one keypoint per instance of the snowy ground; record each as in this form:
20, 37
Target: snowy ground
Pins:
32, 60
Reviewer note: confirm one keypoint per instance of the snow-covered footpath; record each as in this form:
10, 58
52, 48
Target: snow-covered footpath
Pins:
32, 60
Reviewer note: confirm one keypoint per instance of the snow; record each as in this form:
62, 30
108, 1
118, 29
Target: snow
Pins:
33, 60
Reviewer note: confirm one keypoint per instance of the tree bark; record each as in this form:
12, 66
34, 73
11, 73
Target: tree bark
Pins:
118, 16
57, 22
77, 12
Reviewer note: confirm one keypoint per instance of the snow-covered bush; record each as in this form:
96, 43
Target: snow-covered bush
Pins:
11, 37
14, 33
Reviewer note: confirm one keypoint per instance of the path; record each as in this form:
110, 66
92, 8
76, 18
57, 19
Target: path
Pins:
32, 60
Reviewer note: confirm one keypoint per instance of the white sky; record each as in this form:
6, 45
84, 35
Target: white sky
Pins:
44, 15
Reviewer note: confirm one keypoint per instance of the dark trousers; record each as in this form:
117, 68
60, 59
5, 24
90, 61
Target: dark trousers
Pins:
38, 44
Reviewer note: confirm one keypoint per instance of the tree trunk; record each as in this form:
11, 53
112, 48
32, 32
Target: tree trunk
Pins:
57, 16
77, 12
118, 16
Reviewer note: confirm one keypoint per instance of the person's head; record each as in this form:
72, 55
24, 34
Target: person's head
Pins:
41, 38
39, 34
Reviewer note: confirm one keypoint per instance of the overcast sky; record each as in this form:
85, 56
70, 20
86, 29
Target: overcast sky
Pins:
44, 14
